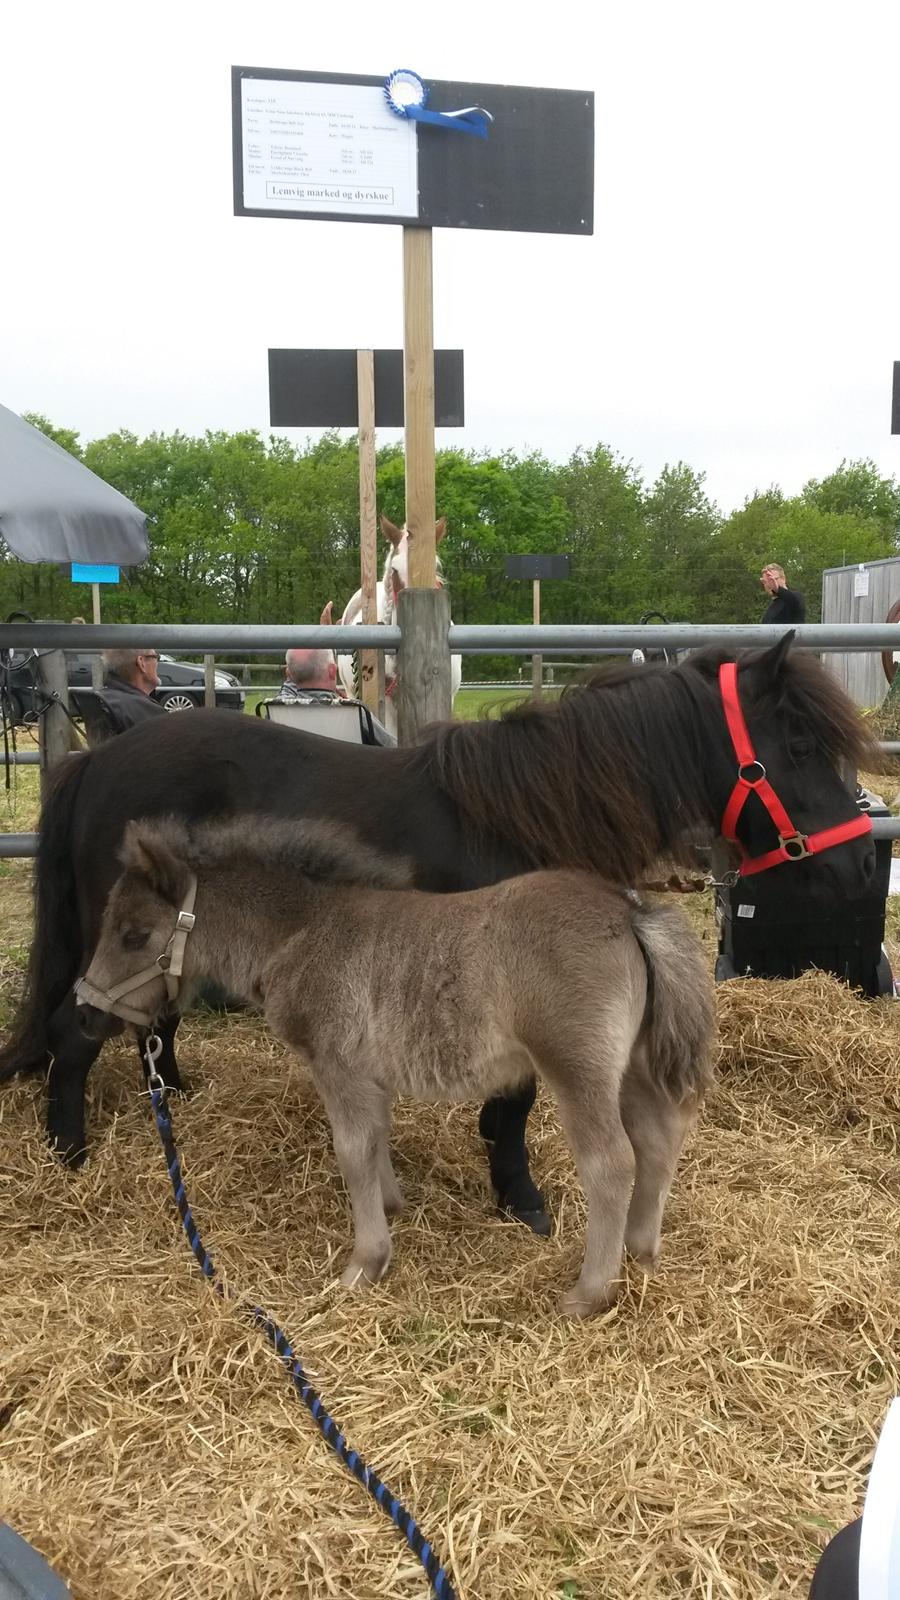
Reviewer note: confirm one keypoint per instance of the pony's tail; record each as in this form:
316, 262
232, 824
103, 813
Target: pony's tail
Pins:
57, 943
679, 1023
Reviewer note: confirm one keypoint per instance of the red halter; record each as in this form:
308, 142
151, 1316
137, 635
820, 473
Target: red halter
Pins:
751, 779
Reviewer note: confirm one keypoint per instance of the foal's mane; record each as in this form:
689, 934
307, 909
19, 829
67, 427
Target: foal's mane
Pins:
615, 773
323, 851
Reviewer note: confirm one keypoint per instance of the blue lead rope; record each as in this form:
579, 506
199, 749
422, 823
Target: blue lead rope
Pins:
325, 1423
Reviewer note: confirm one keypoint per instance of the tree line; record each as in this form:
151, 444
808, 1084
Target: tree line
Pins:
251, 530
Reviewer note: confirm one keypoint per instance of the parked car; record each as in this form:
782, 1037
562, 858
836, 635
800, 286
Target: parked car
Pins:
180, 687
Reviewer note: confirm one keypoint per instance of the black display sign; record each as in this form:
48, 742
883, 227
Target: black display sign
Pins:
318, 389
541, 567
305, 153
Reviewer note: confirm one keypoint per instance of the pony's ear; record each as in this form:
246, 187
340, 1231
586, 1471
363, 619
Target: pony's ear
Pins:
391, 531
772, 663
326, 620
440, 528
144, 853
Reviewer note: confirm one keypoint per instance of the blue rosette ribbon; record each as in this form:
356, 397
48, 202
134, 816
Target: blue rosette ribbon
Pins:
406, 95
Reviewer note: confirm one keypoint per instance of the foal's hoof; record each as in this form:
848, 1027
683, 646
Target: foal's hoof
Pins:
577, 1303
538, 1221
362, 1275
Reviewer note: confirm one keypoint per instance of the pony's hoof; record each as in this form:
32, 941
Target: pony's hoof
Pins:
538, 1221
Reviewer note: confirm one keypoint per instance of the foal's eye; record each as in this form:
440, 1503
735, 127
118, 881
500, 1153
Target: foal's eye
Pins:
135, 938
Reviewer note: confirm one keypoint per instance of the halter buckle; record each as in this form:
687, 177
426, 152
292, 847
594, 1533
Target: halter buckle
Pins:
795, 846
758, 770
186, 920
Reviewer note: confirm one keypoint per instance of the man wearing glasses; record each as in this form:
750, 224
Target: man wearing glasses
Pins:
130, 677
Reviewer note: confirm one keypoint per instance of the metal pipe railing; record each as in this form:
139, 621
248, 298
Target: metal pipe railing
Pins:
494, 639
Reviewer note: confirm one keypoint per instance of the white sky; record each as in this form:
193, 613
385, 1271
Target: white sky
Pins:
738, 306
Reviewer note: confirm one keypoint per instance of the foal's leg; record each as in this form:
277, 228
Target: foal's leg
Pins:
391, 1193
588, 1097
356, 1112
502, 1126
656, 1126
73, 1055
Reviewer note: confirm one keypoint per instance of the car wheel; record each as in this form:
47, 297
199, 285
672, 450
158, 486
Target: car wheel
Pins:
177, 701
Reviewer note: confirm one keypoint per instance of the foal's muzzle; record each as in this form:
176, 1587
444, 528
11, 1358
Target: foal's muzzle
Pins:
169, 965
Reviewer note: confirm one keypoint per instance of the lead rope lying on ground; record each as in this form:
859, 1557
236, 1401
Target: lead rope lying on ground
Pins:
326, 1424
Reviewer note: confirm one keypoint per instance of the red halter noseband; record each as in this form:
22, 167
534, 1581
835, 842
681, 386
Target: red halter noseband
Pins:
751, 779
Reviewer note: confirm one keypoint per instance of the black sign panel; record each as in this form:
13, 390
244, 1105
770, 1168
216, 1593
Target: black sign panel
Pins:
543, 567
317, 389
534, 173
895, 407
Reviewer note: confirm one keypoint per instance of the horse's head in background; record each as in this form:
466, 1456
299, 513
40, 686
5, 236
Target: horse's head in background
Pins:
396, 567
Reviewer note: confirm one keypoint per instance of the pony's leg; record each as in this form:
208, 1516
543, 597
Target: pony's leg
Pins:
73, 1055
502, 1126
656, 1126
356, 1112
589, 1112
166, 1066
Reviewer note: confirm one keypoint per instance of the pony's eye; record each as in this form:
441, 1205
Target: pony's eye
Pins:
135, 938
801, 748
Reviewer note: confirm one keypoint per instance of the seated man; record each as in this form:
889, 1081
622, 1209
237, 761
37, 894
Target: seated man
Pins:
130, 676
310, 678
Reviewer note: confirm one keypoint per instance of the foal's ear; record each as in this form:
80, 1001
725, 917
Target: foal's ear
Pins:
440, 528
144, 853
772, 663
391, 531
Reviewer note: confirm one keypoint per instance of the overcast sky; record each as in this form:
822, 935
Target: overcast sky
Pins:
738, 306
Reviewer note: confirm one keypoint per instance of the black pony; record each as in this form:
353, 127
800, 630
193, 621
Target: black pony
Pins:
634, 765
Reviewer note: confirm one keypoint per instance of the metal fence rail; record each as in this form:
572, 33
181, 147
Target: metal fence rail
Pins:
500, 639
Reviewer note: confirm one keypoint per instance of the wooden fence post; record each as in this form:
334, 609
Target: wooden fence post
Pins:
209, 681
423, 661
371, 661
55, 734
418, 366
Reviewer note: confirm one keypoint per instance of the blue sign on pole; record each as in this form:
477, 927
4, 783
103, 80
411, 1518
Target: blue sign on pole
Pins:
86, 573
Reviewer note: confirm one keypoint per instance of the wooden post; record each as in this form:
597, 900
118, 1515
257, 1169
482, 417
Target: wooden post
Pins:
371, 661
97, 658
55, 727
423, 662
209, 681
537, 662
418, 376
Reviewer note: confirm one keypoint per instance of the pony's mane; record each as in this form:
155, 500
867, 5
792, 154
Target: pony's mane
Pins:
320, 850
615, 773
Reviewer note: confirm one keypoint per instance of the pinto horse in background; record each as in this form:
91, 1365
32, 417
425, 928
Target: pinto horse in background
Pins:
626, 769
394, 578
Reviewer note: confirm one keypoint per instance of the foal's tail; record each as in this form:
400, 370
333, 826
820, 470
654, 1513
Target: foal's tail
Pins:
57, 943
679, 1024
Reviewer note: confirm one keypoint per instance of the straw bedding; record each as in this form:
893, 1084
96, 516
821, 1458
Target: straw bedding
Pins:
700, 1439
